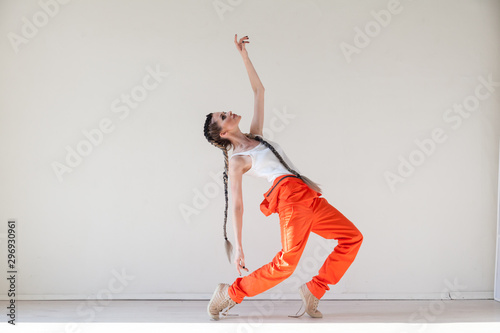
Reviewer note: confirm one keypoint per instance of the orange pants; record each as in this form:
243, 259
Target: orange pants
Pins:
301, 210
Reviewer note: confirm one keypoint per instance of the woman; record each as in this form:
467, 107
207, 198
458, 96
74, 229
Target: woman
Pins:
293, 196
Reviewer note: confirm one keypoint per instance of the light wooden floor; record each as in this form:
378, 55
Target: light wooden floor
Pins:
410, 315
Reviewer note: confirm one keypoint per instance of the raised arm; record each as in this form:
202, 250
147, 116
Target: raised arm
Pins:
258, 88
236, 170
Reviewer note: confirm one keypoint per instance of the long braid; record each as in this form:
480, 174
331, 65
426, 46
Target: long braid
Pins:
209, 135
227, 244
306, 180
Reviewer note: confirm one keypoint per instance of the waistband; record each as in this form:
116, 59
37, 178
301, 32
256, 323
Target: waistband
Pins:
277, 181
280, 195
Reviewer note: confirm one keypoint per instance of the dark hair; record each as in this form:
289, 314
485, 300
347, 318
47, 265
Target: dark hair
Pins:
212, 134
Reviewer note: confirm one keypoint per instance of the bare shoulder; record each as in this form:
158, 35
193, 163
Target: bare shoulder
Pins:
239, 164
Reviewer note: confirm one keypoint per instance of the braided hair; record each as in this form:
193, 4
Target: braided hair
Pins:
212, 134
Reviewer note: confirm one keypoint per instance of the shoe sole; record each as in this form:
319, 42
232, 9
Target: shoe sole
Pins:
219, 287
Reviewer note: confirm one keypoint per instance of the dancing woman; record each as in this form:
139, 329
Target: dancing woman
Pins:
296, 199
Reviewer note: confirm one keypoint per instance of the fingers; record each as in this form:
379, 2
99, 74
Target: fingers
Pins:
241, 39
240, 264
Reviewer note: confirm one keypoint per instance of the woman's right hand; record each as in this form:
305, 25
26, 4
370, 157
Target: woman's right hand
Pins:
241, 45
239, 261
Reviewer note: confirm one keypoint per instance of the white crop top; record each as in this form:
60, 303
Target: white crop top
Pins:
265, 164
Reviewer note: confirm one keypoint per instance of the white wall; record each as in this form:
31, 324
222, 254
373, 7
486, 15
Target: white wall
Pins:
496, 288
350, 121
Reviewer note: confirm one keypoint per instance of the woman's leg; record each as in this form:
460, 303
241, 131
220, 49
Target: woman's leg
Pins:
329, 223
295, 226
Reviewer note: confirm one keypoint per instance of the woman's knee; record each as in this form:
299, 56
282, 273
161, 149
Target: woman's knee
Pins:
354, 240
358, 238
286, 262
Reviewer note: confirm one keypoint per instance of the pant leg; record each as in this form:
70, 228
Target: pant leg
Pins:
295, 226
329, 223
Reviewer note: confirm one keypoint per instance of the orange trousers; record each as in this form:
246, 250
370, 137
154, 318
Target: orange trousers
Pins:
301, 210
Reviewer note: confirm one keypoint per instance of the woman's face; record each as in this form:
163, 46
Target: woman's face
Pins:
226, 120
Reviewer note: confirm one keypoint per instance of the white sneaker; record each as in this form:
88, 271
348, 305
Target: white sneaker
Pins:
219, 301
310, 302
